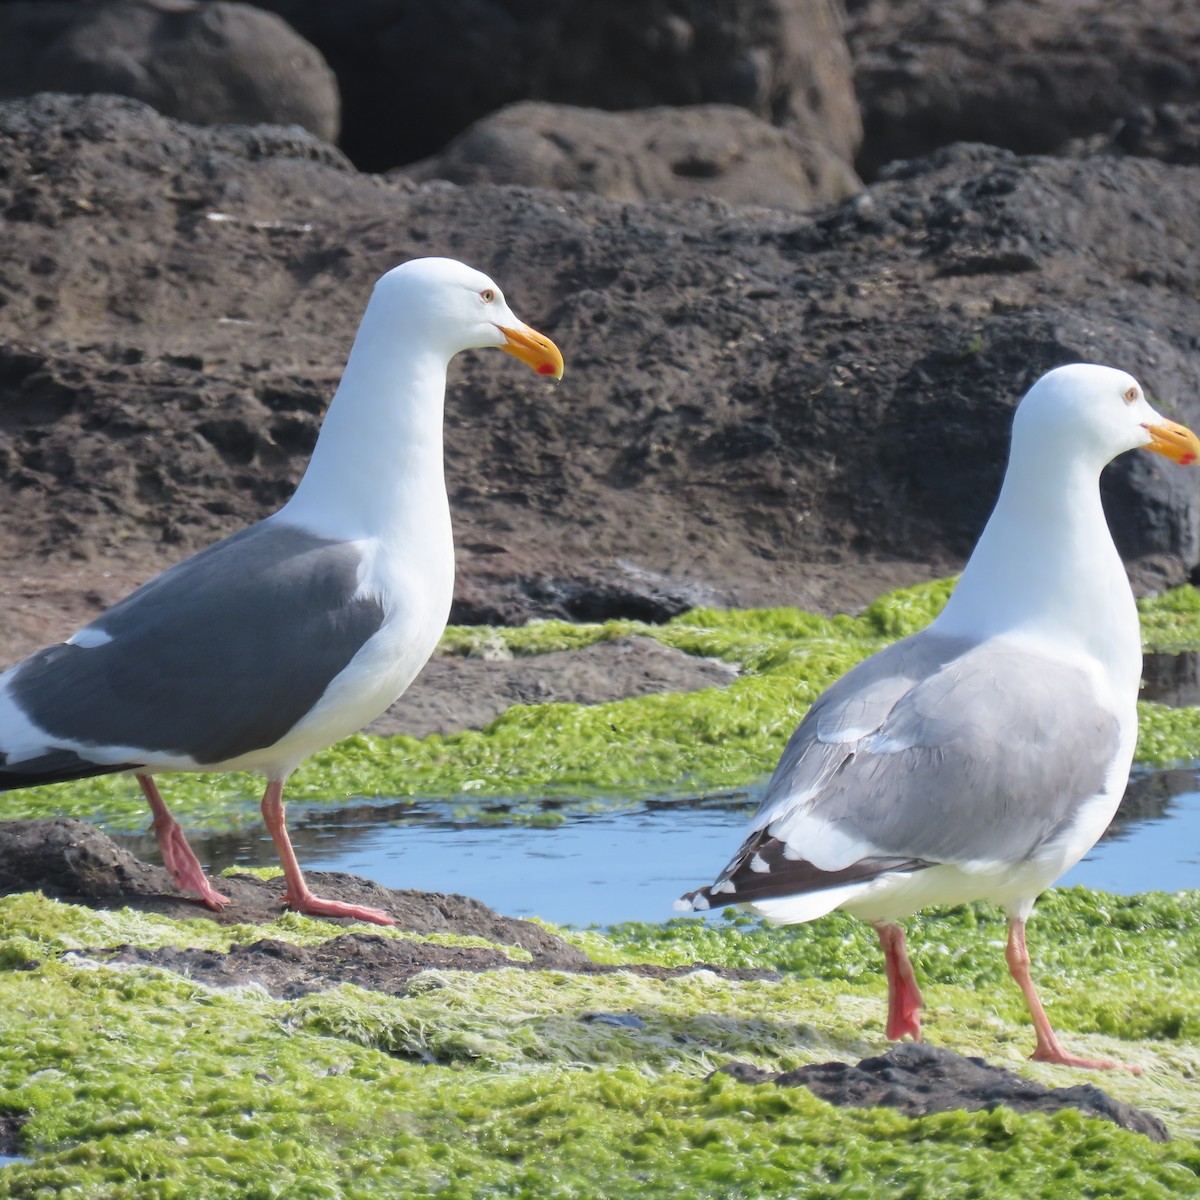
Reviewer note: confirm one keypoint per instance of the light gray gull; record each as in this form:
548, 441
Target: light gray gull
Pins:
299, 630
982, 757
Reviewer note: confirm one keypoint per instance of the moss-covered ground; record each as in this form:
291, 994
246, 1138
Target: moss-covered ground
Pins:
131, 1082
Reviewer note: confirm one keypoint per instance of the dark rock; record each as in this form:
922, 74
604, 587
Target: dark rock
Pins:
919, 1079
745, 1072
211, 63
1169, 132
627, 593
617, 1020
69, 860
453, 63
1021, 74
10, 1133
1172, 679
759, 407
706, 151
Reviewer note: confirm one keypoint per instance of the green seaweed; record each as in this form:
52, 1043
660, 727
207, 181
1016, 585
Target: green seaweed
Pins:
1171, 621
134, 1082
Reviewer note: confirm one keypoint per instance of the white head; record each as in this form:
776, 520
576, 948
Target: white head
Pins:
1096, 413
452, 307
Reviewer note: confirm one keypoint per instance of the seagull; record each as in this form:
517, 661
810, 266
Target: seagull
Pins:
296, 631
984, 756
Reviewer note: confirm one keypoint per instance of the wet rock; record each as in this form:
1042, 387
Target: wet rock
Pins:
784, 60
71, 860
209, 63
1021, 74
705, 151
919, 1079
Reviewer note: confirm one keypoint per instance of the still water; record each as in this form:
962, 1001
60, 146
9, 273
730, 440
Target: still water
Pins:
630, 865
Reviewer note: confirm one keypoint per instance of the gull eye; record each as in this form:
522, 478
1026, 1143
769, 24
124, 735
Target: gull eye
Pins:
487, 295
1132, 396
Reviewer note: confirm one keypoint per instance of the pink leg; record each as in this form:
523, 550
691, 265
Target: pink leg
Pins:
1049, 1048
177, 855
904, 997
297, 896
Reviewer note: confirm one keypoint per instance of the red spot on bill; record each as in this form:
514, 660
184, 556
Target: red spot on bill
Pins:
545, 369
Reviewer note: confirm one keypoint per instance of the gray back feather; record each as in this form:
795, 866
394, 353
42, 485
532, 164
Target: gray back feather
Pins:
933, 729
220, 655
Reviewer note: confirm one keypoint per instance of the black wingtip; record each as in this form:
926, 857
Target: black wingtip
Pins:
58, 766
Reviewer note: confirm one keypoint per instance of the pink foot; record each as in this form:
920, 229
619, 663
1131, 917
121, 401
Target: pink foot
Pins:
184, 866
177, 855
314, 906
1049, 1048
904, 996
1057, 1054
296, 895
904, 1015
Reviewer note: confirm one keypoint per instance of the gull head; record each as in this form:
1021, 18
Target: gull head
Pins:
453, 307
1096, 413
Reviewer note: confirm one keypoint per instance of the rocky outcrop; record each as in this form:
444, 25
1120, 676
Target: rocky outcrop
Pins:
759, 406
703, 151
209, 63
451, 64
1021, 74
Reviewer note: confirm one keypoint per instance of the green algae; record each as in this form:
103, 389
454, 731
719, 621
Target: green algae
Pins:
137, 1083
624, 752
1171, 621
34, 926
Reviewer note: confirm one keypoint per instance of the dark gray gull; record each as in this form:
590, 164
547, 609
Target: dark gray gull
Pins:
295, 632
982, 757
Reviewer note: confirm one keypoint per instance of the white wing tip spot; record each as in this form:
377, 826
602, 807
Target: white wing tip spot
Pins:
89, 638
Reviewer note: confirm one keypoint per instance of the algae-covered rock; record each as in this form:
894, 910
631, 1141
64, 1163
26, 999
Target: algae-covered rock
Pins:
121, 1080
919, 1079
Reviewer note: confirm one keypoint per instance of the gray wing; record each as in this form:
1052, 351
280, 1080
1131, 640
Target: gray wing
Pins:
934, 750
220, 655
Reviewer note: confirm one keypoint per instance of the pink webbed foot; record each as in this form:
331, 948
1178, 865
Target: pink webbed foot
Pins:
904, 996
315, 906
1049, 1048
296, 895
178, 857
1056, 1054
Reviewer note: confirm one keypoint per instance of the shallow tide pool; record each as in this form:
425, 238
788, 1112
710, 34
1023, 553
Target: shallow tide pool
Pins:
630, 865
